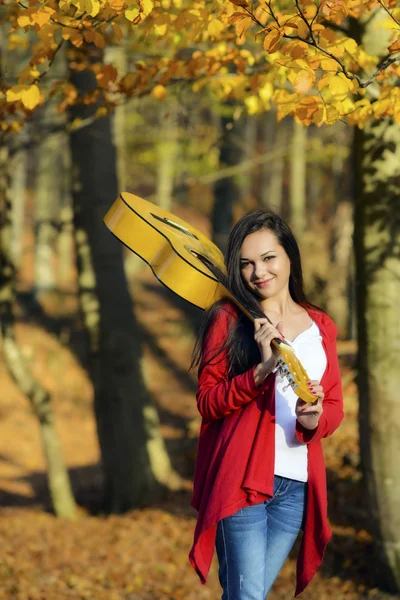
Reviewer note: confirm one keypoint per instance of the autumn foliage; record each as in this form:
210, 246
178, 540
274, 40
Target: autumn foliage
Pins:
305, 57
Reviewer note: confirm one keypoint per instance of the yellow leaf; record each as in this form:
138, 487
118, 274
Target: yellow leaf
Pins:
328, 64
338, 87
332, 115
266, 91
351, 46
253, 105
159, 92
242, 25
161, 29
44, 15
215, 27
91, 7
29, 95
304, 81
147, 6
132, 13
25, 20
347, 106
19, 41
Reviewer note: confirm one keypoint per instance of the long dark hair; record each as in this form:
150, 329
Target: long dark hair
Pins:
241, 348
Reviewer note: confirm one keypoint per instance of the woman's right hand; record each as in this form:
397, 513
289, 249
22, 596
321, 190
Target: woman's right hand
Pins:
264, 333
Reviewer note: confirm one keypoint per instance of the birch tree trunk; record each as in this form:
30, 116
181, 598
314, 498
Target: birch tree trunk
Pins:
167, 155
57, 475
377, 253
47, 203
18, 175
135, 462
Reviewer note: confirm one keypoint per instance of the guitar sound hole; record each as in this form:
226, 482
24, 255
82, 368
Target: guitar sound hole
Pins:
180, 228
215, 270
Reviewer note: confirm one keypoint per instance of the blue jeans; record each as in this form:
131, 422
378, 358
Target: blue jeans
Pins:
253, 544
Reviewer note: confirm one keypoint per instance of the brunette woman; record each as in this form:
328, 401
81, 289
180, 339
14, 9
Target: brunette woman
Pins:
260, 474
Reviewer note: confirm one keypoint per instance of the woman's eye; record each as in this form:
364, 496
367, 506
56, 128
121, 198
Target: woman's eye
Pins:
268, 257
243, 265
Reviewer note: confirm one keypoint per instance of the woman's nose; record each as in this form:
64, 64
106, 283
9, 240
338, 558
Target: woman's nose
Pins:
259, 271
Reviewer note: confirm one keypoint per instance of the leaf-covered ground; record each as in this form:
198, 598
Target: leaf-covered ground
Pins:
141, 555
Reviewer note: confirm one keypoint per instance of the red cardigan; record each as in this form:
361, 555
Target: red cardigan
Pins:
235, 457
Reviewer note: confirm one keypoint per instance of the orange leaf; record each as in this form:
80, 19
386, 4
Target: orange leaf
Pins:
109, 73
236, 16
395, 47
272, 40
242, 3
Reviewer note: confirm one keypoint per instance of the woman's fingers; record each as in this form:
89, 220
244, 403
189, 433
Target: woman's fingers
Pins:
316, 389
309, 408
264, 329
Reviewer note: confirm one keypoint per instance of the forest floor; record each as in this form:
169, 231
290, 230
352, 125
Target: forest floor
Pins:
141, 555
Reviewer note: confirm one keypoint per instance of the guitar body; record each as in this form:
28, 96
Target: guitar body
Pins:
188, 263
170, 247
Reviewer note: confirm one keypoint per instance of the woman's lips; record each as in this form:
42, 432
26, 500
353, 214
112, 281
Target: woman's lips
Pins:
262, 284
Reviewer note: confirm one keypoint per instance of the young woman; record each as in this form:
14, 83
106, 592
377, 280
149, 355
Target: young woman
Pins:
260, 474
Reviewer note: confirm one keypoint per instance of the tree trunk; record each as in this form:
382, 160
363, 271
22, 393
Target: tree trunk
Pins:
47, 203
65, 239
277, 170
226, 191
377, 251
18, 174
298, 165
377, 255
167, 155
340, 259
250, 126
57, 476
134, 458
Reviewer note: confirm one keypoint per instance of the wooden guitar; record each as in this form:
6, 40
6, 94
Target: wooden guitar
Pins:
189, 264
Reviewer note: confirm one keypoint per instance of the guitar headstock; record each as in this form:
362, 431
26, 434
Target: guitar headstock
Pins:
290, 366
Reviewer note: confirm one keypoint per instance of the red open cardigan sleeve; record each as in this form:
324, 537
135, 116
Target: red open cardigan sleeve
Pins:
217, 396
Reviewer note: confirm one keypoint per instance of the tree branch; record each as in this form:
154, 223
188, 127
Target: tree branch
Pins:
311, 41
391, 15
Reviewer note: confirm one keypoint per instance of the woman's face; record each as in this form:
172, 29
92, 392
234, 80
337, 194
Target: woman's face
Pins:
264, 264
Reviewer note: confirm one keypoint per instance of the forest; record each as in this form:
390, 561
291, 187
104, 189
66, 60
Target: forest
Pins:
208, 109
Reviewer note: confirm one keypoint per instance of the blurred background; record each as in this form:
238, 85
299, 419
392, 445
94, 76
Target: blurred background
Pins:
99, 426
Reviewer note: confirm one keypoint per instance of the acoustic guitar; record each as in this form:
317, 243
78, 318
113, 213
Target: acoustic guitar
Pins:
189, 264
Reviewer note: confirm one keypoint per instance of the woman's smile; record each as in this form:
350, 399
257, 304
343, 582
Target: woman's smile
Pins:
263, 284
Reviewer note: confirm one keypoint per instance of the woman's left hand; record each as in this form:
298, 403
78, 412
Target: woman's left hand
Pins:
309, 413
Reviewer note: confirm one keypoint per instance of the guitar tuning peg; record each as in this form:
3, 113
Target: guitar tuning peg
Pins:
278, 366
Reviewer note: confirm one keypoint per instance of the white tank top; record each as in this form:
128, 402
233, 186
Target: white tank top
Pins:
291, 456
